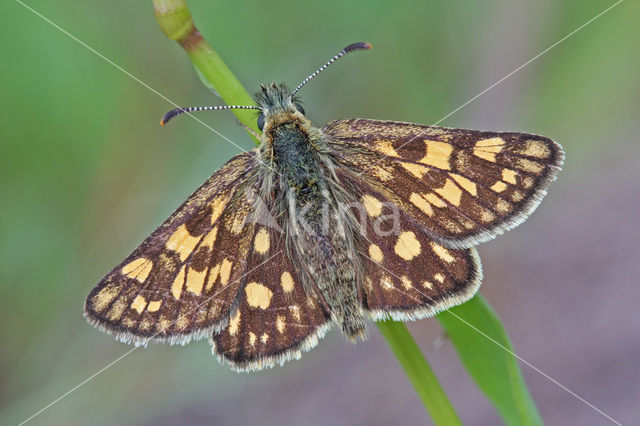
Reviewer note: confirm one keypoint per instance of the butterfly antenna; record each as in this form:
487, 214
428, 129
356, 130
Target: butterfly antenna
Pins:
350, 48
175, 112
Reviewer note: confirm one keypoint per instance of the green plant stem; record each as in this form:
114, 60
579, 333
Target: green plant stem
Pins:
175, 20
419, 372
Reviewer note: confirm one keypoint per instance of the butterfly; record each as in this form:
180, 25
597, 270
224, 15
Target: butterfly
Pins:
360, 219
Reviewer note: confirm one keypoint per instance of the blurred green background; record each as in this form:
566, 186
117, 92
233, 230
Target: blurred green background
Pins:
86, 173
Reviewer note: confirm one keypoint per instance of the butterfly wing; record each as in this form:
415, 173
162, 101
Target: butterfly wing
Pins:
182, 281
407, 274
463, 186
276, 318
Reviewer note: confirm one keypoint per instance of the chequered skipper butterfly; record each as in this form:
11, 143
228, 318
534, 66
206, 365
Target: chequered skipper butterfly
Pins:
359, 219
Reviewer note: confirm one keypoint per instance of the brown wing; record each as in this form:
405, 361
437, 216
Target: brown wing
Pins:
463, 186
182, 281
407, 274
275, 320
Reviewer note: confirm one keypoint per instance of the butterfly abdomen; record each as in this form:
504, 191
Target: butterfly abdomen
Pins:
326, 256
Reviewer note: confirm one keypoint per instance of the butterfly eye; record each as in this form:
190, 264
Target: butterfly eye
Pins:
261, 122
299, 108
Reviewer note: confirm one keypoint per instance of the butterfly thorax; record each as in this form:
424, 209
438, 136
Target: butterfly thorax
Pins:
319, 237
296, 160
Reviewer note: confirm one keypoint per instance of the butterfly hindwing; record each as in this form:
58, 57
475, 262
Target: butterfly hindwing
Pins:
463, 186
276, 319
407, 274
182, 281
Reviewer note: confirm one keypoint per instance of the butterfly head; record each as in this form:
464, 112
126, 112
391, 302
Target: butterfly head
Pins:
278, 107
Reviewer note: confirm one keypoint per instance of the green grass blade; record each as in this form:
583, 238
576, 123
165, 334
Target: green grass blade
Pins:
419, 372
485, 350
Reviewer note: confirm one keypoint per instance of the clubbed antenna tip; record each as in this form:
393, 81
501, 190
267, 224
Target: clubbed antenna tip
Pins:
357, 46
169, 115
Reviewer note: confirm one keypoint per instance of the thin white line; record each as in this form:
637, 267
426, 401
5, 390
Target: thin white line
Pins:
142, 83
537, 369
133, 349
528, 62
78, 385
501, 346
500, 81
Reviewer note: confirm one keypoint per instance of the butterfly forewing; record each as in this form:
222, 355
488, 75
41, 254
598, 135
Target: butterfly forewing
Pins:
463, 186
181, 281
275, 318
